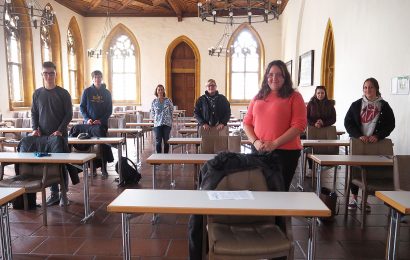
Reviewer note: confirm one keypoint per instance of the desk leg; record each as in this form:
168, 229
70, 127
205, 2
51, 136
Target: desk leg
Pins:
6, 253
138, 149
312, 238
301, 175
318, 173
124, 135
87, 213
126, 249
119, 158
154, 171
393, 236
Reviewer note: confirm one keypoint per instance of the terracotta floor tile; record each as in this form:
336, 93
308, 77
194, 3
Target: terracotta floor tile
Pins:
364, 249
60, 245
149, 247
178, 248
26, 244
103, 247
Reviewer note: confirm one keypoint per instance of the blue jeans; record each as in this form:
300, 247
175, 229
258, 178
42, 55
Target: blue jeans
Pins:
54, 187
162, 133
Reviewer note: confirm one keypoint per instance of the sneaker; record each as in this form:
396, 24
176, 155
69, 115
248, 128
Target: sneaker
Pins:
104, 175
64, 201
53, 199
352, 204
309, 173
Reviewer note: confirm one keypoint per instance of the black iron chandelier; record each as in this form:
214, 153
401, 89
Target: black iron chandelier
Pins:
238, 11
12, 14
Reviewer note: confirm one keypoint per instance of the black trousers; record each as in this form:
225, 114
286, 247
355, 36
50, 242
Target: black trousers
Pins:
162, 134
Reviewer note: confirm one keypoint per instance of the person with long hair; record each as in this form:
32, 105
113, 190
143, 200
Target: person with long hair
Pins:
369, 119
161, 111
275, 119
320, 110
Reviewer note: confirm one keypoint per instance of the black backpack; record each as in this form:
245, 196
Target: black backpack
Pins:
130, 174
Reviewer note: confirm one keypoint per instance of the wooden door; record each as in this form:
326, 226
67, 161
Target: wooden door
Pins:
183, 78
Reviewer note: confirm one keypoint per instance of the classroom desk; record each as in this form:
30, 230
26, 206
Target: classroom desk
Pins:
170, 158
15, 130
2, 138
129, 131
139, 124
101, 140
7, 195
61, 158
188, 131
347, 160
229, 124
130, 201
318, 143
399, 203
193, 140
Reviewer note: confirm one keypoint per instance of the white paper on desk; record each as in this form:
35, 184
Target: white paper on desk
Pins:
230, 195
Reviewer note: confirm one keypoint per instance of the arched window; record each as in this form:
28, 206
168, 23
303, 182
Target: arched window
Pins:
72, 64
122, 66
244, 65
51, 45
75, 57
19, 53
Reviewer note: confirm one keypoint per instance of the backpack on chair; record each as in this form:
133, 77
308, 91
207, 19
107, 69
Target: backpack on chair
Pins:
130, 174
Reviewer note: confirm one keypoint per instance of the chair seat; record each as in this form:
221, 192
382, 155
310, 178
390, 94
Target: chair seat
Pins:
376, 184
242, 240
30, 183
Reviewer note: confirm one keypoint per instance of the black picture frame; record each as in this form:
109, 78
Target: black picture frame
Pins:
290, 67
306, 69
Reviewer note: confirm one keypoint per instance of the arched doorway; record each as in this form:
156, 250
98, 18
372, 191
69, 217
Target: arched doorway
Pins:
328, 61
182, 73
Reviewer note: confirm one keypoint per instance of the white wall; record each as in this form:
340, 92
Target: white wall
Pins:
370, 41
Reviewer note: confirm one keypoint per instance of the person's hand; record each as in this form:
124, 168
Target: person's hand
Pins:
269, 146
206, 127
90, 121
364, 139
57, 133
97, 122
219, 127
259, 145
317, 125
36, 133
373, 139
320, 122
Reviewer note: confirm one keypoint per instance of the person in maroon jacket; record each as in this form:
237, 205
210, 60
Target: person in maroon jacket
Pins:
320, 110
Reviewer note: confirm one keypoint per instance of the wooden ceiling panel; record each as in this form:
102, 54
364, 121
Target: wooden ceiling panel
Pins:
139, 8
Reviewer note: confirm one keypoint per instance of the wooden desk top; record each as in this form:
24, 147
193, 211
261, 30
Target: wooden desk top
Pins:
400, 200
305, 204
8, 194
2, 138
124, 130
317, 143
352, 160
76, 158
171, 158
139, 124
96, 140
188, 131
15, 130
193, 140
340, 132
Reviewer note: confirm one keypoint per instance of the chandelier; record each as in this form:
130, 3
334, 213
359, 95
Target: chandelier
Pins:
97, 51
12, 14
220, 49
238, 11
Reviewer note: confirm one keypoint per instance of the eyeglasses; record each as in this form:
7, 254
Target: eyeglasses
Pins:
211, 85
275, 75
45, 73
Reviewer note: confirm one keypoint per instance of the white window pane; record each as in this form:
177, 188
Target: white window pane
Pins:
237, 86
117, 86
14, 50
73, 83
117, 65
252, 64
251, 85
15, 81
238, 64
129, 64
129, 87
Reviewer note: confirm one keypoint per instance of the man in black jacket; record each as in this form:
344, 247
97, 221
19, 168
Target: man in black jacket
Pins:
212, 109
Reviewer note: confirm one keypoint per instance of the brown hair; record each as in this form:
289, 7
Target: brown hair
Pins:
285, 91
96, 73
49, 64
156, 93
314, 98
375, 84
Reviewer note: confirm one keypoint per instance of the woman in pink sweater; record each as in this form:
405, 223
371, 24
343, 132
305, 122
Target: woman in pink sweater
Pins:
276, 117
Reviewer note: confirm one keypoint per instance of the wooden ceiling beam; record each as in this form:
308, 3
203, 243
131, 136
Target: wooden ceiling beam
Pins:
176, 7
94, 4
124, 4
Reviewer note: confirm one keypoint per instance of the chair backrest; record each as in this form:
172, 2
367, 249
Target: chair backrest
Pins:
216, 144
35, 170
401, 169
382, 147
115, 122
252, 180
324, 133
131, 118
213, 131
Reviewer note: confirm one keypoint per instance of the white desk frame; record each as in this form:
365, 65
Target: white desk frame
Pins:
305, 204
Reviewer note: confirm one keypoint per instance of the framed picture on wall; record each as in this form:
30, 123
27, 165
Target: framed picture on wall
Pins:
400, 85
306, 65
289, 66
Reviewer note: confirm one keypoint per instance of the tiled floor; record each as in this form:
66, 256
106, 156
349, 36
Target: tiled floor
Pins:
66, 238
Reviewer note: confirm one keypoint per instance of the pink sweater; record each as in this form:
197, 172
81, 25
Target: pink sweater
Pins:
273, 116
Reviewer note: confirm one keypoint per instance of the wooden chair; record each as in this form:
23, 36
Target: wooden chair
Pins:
401, 171
213, 131
216, 144
30, 178
248, 237
369, 179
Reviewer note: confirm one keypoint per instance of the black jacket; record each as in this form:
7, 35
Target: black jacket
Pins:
384, 126
205, 114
